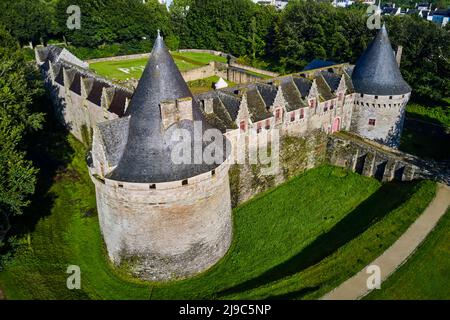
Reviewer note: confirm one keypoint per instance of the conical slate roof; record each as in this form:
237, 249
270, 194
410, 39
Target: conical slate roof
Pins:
377, 71
147, 156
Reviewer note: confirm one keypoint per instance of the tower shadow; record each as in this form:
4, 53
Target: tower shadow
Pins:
387, 198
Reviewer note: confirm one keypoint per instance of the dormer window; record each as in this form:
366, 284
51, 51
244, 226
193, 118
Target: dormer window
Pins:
242, 126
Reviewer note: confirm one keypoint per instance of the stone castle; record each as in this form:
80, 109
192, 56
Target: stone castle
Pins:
174, 220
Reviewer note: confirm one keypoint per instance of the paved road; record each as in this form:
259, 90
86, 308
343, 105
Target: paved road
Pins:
356, 287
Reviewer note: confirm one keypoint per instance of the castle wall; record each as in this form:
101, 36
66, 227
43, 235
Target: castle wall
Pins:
381, 162
199, 73
296, 155
388, 112
166, 230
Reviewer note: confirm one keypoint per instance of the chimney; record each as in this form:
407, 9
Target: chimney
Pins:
398, 56
176, 110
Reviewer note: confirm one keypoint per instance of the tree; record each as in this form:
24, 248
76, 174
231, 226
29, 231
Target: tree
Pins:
18, 89
26, 20
113, 21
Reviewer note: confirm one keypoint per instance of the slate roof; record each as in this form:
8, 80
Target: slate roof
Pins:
256, 105
59, 75
291, 94
332, 79
377, 72
95, 95
76, 83
303, 85
317, 64
117, 105
147, 155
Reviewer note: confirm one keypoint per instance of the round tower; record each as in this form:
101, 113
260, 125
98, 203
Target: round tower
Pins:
381, 94
164, 218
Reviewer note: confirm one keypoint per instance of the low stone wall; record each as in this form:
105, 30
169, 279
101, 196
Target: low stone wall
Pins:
296, 155
383, 163
214, 52
200, 73
119, 58
253, 69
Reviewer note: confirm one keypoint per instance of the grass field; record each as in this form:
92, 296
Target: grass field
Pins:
427, 131
133, 68
426, 274
296, 241
206, 84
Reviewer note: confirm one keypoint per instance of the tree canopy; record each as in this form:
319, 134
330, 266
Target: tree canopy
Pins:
18, 89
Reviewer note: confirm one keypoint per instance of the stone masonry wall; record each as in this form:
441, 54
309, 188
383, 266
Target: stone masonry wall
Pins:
379, 161
296, 155
167, 233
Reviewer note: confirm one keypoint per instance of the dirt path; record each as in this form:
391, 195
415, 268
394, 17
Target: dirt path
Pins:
398, 253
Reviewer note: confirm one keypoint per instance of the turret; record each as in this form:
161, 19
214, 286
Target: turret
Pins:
381, 93
168, 219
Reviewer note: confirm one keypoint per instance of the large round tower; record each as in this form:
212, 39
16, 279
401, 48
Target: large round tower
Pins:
165, 218
381, 94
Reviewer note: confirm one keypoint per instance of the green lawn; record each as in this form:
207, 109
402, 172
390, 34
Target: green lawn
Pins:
435, 114
204, 58
296, 241
206, 84
427, 272
426, 132
132, 68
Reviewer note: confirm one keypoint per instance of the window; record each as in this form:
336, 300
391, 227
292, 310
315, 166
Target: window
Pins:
278, 114
302, 113
390, 97
292, 116
341, 96
120, 185
242, 125
331, 106
362, 95
325, 108
213, 172
312, 103
258, 127
184, 182
371, 122
153, 186
267, 124
376, 97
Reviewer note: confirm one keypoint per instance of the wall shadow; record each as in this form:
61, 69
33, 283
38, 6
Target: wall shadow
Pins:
387, 198
51, 152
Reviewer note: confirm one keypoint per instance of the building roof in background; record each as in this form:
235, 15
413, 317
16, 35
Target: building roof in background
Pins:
317, 64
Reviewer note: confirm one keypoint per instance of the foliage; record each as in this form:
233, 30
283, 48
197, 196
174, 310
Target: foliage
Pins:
26, 20
111, 21
436, 114
426, 56
19, 88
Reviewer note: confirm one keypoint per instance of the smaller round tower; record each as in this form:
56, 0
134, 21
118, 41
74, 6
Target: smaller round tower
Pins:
381, 94
165, 218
